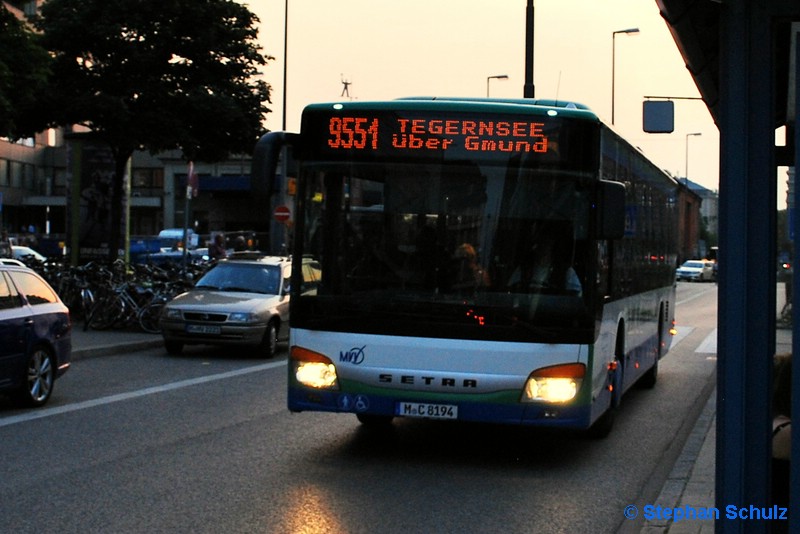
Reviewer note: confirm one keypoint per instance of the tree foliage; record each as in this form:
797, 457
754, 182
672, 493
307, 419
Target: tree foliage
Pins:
154, 75
157, 74
24, 68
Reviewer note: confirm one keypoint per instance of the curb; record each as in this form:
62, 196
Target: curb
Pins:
112, 349
692, 476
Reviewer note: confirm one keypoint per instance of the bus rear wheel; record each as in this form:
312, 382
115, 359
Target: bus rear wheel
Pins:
649, 379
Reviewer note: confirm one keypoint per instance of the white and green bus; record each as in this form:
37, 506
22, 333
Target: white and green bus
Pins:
481, 260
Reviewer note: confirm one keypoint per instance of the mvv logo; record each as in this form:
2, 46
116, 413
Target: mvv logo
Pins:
354, 355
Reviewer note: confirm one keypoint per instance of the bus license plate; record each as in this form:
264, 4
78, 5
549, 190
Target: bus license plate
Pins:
429, 411
202, 329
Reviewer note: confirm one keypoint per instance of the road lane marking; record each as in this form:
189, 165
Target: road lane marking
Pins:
67, 408
682, 332
709, 344
695, 296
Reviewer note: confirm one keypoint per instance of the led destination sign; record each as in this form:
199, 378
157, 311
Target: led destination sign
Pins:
377, 134
363, 133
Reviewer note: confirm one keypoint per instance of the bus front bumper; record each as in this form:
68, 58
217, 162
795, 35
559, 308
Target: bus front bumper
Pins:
530, 414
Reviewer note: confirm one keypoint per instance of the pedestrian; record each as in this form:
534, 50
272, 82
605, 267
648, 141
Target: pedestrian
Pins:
217, 249
469, 274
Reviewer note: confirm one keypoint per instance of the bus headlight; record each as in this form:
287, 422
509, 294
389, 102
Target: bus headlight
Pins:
557, 384
313, 369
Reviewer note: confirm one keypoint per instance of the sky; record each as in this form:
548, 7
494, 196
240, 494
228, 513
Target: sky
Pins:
390, 49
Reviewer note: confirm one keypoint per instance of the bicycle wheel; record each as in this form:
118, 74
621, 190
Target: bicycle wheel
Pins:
86, 307
148, 317
106, 312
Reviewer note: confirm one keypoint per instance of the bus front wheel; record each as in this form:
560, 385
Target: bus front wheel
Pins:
374, 421
603, 425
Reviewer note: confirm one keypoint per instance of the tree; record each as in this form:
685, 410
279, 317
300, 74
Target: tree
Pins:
155, 75
24, 68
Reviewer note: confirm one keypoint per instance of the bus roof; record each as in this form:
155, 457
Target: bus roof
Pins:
513, 106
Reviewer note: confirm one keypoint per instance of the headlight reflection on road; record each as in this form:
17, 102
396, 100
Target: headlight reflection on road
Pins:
310, 512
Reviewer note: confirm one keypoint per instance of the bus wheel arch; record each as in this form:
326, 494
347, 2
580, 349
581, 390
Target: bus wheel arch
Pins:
602, 427
650, 378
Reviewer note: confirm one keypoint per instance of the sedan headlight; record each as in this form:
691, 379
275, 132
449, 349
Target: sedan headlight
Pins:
559, 383
241, 317
173, 313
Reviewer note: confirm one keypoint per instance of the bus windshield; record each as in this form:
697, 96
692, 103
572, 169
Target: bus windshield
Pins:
470, 249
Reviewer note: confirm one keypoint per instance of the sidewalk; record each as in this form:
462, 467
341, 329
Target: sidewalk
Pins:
692, 480
94, 343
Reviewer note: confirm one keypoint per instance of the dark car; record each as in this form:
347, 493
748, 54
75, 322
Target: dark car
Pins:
35, 336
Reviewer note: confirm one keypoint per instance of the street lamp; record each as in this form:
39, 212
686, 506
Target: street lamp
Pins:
686, 173
497, 77
629, 31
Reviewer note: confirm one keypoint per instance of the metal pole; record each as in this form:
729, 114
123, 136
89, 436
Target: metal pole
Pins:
794, 476
629, 31
496, 77
746, 308
686, 171
529, 90
185, 255
613, 71
285, 51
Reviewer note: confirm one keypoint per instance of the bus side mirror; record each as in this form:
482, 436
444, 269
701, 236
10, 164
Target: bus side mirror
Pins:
610, 210
267, 155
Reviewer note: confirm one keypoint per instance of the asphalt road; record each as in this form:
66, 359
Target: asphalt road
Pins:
145, 442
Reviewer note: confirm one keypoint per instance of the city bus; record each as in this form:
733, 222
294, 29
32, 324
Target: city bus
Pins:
481, 260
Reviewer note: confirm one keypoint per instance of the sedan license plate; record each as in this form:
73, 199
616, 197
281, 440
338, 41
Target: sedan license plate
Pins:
202, 329
429, 411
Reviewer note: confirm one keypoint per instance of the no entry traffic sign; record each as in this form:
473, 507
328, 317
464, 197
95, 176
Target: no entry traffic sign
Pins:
282, 214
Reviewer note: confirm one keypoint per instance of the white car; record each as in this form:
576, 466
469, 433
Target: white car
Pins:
696, 271
239, 302
21, 253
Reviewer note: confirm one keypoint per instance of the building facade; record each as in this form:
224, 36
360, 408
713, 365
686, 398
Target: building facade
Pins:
689, 204
709, 216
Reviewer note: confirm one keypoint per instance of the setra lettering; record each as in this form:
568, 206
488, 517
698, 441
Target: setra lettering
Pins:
410, 380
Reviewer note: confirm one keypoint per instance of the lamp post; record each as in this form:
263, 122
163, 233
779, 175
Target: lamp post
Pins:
285, 47
686, 172
629, 31
497, 77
